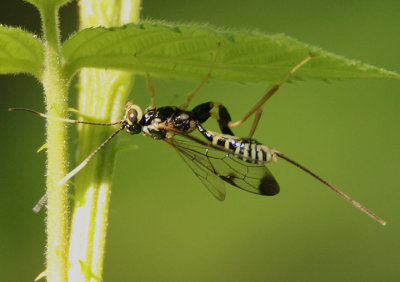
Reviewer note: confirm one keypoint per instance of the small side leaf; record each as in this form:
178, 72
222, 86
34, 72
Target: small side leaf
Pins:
187, 51
20, 52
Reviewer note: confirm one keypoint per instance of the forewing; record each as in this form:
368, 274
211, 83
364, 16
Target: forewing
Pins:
212, 165
192, 154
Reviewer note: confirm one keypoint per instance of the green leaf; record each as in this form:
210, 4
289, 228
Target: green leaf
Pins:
20, 52
187, 51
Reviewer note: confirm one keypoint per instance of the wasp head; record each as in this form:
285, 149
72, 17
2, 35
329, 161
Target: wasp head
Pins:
133, 116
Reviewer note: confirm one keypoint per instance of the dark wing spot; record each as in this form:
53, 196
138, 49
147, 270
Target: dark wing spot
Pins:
268, 186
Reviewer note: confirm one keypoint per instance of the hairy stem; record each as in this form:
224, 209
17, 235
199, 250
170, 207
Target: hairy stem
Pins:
56, 90
103, 94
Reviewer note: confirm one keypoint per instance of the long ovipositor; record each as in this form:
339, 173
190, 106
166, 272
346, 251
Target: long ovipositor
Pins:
252, 151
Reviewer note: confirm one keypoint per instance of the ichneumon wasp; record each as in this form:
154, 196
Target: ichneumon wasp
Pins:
221, 157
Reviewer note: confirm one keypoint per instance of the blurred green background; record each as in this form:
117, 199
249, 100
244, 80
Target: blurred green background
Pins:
165, 226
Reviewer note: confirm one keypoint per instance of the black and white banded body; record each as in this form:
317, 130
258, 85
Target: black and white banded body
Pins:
246, 149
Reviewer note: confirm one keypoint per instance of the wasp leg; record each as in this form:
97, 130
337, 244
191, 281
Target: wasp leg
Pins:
269, 94
203, 112
224, 118
185, 105
255, 122
148, 84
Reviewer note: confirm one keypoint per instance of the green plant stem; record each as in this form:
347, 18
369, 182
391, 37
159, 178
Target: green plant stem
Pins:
56, 89
103, 94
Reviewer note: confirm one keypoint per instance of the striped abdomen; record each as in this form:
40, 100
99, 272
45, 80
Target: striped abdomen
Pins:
248, 150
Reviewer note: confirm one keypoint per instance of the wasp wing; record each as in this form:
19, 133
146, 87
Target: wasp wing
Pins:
192, 154
212, 164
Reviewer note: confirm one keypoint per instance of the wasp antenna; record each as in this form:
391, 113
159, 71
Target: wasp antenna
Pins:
333, 188
40, 203
87, 160
63, 119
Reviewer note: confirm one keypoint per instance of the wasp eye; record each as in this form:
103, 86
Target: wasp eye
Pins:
132, 116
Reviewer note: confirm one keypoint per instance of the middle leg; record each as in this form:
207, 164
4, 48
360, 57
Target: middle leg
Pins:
258, 107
